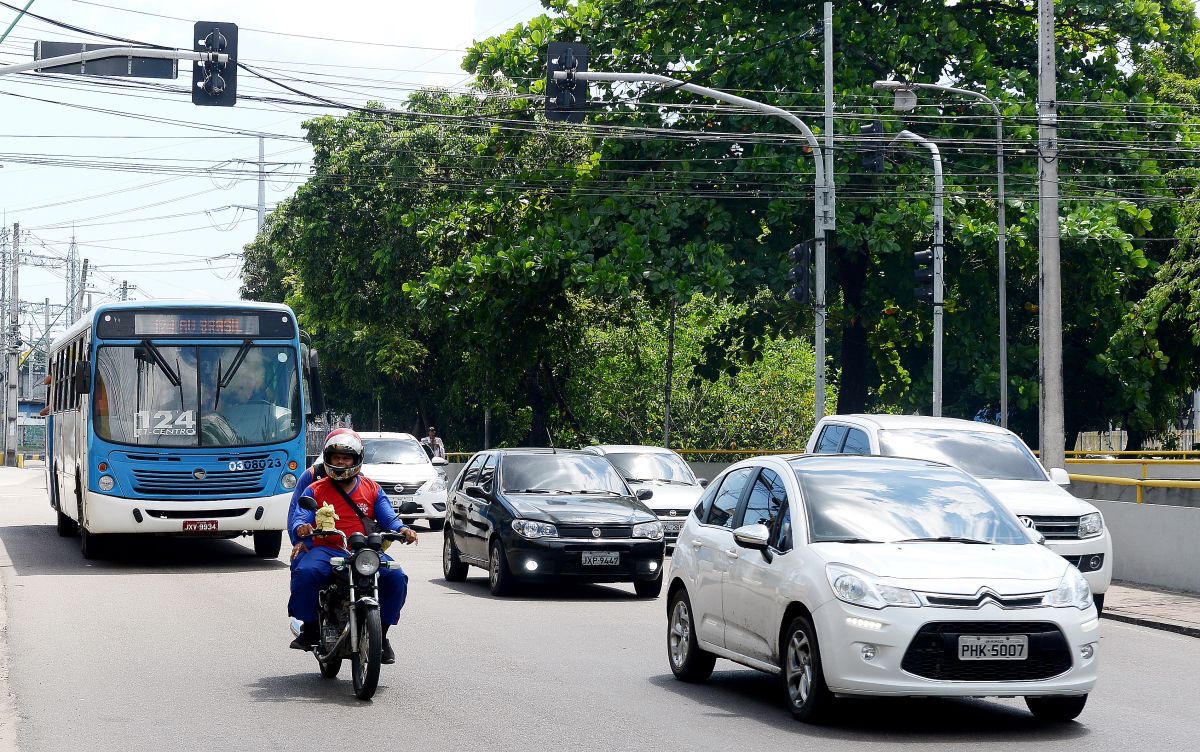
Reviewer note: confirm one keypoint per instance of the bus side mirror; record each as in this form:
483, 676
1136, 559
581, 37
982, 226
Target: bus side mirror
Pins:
316, 399
83, 378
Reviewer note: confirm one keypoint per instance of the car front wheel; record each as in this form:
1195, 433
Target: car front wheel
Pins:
689, 662
500, 577
805, 690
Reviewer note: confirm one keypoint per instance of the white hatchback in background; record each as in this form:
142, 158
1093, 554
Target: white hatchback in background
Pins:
877, 576
398, 463
1074, 529
676, 488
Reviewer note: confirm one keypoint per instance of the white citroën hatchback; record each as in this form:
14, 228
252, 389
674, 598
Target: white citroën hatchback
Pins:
861, 575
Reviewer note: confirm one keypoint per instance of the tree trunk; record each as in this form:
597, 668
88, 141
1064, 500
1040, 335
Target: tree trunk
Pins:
855, 353
538, 433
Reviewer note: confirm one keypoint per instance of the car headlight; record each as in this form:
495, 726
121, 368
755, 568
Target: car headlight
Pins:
1072, 590
106, 483
652, 530
861, 589
366, 562
534, 529
437, 485
1090, 525
288, 480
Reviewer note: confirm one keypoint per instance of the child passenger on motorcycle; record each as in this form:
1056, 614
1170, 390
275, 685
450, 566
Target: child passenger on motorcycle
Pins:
311, 569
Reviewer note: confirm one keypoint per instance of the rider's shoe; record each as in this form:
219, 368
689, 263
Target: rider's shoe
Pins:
306, 640
389, 655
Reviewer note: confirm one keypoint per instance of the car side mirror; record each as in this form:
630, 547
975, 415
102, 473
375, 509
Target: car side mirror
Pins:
409, 507
1060, 476
757, 537
440, 461
475, 492
643, 493
309, 503
703, 482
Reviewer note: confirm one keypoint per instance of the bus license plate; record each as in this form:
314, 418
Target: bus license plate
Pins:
601, 558
993, 647
199, 526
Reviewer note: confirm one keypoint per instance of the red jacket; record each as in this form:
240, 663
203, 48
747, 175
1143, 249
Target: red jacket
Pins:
365, 494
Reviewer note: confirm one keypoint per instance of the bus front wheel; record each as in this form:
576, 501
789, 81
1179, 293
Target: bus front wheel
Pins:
90, 544
267, 543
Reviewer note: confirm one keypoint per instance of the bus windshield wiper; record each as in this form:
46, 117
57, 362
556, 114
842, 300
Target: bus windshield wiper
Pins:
157, 357
945, 539
223, 380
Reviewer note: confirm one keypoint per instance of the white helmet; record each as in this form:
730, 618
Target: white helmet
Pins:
343, 442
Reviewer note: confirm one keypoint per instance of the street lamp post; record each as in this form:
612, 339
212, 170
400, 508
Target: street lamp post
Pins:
905, 101
938, 287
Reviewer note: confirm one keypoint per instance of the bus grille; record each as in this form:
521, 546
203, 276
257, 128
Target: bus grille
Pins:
182, 483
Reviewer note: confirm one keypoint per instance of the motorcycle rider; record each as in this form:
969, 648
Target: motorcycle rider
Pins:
307, 478
311, 569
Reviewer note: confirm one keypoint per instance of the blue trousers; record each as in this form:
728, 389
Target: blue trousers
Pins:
312, 571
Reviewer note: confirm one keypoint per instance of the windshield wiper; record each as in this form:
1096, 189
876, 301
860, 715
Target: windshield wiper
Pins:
594, 491
223, 381
533, 490
848, 540
157, 358
945, 539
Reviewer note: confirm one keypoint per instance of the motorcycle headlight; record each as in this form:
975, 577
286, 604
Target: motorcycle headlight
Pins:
1090, 525
861, 589
1072, 590
366, 562
652, 530
534, 529
437, 485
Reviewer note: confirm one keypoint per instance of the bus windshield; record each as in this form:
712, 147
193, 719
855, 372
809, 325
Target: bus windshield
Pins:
159, 394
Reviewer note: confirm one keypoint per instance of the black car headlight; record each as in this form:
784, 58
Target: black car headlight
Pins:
366, 562
534, 529
652, 530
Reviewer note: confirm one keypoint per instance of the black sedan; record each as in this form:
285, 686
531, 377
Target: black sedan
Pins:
544, 514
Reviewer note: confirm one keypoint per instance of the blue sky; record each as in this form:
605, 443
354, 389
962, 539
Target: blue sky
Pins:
139, 196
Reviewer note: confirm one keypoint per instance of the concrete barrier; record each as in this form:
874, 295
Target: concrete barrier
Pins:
1154, 544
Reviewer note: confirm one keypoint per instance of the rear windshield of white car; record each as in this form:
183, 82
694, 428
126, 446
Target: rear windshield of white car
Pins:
871, 500
393, 452
639, 468
996, 456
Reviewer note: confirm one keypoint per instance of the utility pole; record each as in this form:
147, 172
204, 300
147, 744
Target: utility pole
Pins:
4, 256
46, 345
1052, 419
82, 288
822, 236
670, 376
14, 351
72, 271
262, 185
124, 289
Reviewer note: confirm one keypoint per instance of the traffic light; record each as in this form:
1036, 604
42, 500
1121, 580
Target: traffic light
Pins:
801, 257
923, 277
566, 100
872, 159
215, 83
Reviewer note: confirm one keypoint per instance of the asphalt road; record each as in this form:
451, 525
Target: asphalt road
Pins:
182, 645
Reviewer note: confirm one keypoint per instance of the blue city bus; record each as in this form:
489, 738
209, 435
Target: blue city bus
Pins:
178, 418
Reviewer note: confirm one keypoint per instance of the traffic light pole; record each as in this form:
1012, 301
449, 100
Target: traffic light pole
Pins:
823, 212
111, 52
938, 287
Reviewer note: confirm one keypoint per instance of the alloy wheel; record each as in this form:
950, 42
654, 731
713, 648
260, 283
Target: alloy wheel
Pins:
681, 633
799, 669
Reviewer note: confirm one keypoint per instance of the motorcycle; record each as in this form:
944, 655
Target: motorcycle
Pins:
348, 622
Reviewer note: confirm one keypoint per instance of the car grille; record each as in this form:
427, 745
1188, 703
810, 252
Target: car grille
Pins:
181, 482
672, 514
933, 652
943, 600
1056, 528
404, 488
585, 531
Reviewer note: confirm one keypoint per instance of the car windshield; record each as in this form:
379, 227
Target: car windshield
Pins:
997, 456
889, 500
188, 395
636, 466
394, 452
550, 473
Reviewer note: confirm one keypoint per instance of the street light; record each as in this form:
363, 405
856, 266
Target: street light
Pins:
906, 100
938, 287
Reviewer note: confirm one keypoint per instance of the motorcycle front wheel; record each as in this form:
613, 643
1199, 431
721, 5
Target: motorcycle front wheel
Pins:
365, 662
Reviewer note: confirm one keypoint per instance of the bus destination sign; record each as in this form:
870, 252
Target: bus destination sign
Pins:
195, 323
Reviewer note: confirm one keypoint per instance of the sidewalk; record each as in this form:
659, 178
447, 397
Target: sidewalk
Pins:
1158, 608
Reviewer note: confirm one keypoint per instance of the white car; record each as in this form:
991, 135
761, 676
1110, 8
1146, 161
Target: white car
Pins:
404, 471
676, 488
877, 576
1073, 528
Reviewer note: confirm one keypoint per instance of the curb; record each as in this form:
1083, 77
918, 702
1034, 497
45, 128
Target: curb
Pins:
1141, 621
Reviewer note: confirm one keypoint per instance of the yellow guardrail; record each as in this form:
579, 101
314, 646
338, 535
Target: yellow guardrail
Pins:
1141, 484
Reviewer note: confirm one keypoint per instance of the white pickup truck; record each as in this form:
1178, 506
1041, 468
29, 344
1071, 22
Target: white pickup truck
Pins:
1073, 528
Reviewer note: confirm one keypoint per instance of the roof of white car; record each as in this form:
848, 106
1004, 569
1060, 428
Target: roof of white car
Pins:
885, 422
629, 448
385, 435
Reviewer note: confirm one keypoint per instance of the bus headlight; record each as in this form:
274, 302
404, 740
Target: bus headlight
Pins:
289, 480
106, 483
